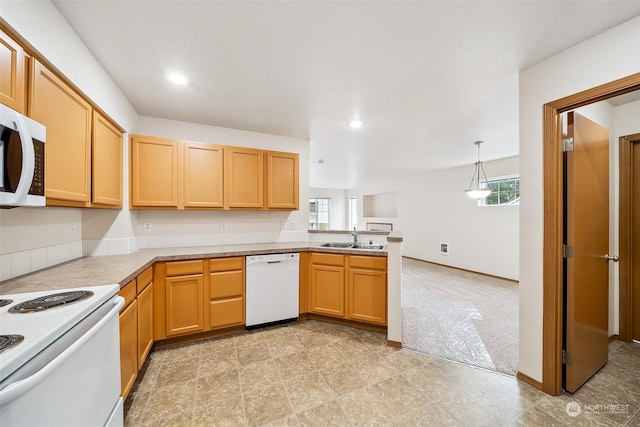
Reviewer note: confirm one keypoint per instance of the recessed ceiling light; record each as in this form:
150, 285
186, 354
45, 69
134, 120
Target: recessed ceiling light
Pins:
177, 78
355, 124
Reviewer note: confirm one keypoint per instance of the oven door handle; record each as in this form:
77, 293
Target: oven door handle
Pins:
20, 387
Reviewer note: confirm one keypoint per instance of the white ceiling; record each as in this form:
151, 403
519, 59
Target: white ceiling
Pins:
427, 77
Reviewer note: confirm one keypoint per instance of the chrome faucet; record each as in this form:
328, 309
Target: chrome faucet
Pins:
355, 235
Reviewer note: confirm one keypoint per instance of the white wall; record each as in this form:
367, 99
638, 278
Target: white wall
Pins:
35, 238
436, 210
433, 208
338, 207
599, 60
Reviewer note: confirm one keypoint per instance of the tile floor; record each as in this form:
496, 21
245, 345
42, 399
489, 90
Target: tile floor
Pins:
312, 373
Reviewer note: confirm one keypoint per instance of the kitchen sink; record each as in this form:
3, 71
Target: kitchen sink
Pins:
337, 245
343, 245
365, 246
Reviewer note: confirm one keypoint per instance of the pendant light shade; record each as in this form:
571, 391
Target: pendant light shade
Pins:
478, 189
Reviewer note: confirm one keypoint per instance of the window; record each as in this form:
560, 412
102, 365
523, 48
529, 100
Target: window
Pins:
504, 191
319, 214
353, 213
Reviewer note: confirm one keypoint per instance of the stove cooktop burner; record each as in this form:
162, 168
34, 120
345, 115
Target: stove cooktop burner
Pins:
50, 301
8, 341
4, 302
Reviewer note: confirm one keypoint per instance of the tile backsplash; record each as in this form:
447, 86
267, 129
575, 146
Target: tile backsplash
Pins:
19, 263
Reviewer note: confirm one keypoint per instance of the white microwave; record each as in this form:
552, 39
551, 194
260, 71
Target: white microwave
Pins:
21, 159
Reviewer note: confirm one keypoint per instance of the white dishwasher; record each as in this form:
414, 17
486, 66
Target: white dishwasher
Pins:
272, 288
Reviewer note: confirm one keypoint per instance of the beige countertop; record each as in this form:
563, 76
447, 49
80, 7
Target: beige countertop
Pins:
121, 269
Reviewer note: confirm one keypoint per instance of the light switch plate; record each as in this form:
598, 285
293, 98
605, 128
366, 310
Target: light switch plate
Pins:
147, 226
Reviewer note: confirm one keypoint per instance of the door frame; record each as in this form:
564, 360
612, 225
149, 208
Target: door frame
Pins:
626, 238
552, 309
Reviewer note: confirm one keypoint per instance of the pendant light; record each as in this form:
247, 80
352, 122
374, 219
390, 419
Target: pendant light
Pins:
476, 190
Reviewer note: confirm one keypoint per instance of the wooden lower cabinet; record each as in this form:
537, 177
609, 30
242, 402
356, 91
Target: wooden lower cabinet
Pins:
199, 296
327, 290
128, 348
367, 296
348, 286
136, 328
145, 323
226, 292
184, 304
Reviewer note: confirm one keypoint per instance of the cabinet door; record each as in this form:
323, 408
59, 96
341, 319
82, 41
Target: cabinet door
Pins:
203, 176
282, 180
244, 178
184, 304
12, 74
106, 171
154, 172
67, 117
128, 348
226, 290
367, 297
145, 323
327, 290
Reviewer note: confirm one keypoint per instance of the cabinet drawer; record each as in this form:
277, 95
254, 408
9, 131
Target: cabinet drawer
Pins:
226, 313
226, 264
128, 293
144, 279
370, 262
327, 259
181, 268
226, 284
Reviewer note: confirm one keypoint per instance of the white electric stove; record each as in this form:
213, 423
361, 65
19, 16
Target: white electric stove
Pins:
61, 357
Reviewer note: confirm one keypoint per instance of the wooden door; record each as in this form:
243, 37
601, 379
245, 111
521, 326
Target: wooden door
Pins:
67, 117
244, 178
635, 249
282, 180
12, 74
203, 176
587, 233
184, 304
145, 323
154, 172
106, 170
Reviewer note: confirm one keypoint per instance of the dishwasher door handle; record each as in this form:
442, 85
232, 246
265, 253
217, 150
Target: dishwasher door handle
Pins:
274, 262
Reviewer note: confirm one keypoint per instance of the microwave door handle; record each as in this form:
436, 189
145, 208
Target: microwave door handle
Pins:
28, 160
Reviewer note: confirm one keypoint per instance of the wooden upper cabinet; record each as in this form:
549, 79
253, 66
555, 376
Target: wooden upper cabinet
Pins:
282, 180
12, 74
67, 117
244, 177
154, 172
203, 176
106, 162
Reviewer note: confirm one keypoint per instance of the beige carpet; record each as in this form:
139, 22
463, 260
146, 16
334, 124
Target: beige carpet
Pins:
462, 316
